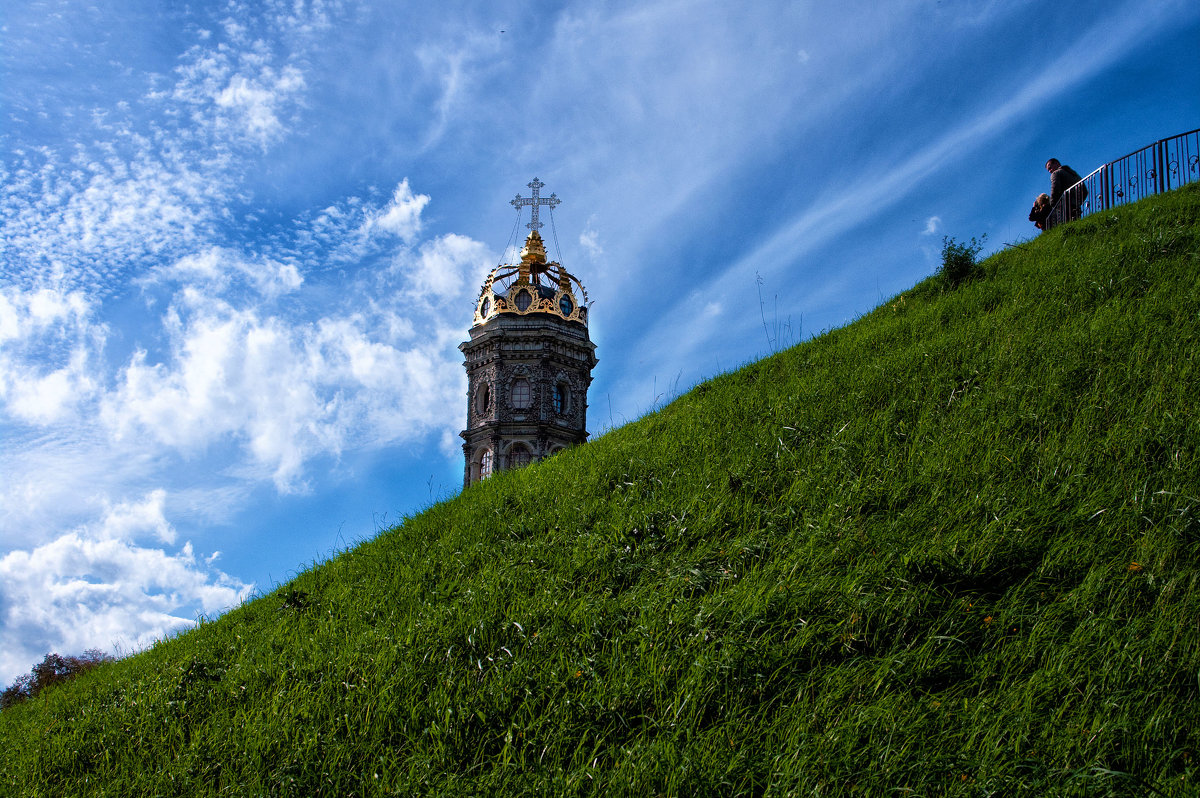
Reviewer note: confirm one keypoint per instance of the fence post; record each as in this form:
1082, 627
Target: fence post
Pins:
1160, 154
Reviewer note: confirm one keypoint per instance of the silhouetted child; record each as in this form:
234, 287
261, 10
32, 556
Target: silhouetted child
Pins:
1041, 209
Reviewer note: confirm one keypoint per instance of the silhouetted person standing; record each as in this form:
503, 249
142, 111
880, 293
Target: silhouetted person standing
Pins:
1062, 178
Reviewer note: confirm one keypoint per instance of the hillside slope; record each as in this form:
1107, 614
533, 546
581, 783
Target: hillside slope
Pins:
950, 549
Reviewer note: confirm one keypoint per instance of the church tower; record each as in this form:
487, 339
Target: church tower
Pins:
529, 360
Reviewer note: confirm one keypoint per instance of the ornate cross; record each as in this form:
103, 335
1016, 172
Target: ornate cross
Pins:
535, 201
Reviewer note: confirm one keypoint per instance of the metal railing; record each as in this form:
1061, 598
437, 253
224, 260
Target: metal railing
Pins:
1164, 165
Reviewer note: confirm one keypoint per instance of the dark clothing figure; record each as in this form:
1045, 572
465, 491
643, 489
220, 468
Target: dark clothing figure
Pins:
1040, 211
1062, 178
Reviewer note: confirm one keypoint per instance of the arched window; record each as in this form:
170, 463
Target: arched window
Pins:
519, 456
520, 394
485, 464
483, 399
561, 398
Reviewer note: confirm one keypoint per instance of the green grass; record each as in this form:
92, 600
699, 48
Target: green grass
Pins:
950, 549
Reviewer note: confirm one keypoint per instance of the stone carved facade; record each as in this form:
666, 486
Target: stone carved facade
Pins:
529, 363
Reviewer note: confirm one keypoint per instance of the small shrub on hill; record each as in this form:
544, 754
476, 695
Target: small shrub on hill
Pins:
958, 260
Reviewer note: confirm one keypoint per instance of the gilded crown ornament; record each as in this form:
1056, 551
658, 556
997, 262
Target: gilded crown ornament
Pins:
533, 285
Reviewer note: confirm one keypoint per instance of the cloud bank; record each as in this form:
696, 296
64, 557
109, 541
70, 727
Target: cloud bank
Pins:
154, 361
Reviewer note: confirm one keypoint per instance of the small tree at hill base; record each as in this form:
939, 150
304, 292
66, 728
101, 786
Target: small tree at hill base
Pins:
53, 669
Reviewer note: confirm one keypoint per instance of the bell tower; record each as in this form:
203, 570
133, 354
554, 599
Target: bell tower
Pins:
529, 359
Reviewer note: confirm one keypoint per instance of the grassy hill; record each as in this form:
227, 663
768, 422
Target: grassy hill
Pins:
950, 549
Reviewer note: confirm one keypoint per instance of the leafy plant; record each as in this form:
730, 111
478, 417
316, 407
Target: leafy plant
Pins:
958, 260
52, 670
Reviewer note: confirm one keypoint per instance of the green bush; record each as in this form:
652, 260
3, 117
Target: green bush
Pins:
958, 260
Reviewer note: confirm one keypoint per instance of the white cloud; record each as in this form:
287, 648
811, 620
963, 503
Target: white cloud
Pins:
204, 268
45, 398
230, 373
445, 270
239, 92
127, 519
49, 342
98, 587
401, 217
46, 306
932, 225
217, 268
291, 389
589, 239
254, 102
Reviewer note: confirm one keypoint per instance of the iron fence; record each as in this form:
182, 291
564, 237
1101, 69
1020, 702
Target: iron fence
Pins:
1164, 165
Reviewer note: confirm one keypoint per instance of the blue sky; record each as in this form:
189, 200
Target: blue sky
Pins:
241, 241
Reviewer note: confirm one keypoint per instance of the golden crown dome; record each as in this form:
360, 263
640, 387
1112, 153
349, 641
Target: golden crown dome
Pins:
532, 286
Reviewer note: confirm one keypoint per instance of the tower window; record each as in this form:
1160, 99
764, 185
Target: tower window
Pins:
483, 399
485, 464
520, 394
524, 299
561, 394
519, 456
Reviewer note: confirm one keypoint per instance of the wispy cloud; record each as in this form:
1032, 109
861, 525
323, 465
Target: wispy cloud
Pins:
155, 177
681, 336
218, 269
589, 239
